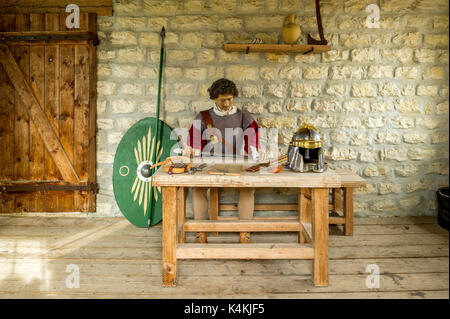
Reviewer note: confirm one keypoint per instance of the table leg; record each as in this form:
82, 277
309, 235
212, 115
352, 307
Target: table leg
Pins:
213, 206
169, 240
181, 212
337, 201
320, 230
304, 210
348, 211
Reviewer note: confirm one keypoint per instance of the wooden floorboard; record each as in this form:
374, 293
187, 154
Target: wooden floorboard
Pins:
118, 260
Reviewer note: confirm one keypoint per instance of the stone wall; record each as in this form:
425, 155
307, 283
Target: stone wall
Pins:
380, 96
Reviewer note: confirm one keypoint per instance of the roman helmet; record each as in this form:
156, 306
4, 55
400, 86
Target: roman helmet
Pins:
305, 150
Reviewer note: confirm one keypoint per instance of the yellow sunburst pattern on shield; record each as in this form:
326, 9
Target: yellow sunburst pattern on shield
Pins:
141, 189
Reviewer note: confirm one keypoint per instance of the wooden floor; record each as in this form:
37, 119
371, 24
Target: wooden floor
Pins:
118, 260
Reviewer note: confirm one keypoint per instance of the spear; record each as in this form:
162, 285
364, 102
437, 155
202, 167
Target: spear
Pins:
158, 122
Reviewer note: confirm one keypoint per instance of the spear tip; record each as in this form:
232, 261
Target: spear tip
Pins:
163, 32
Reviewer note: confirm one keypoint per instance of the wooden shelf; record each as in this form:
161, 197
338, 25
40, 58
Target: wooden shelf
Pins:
277, 48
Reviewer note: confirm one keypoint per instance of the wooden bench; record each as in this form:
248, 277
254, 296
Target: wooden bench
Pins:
340, 207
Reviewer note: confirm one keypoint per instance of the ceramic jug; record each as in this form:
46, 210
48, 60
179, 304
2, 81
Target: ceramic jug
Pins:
291, 31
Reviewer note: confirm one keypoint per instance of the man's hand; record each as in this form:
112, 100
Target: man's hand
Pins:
262, 156
188, 151
257, 154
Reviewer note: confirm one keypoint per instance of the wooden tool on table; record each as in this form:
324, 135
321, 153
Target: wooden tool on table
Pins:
256, 168
225, 169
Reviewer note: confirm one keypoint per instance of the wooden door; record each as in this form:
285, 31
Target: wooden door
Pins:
47, 114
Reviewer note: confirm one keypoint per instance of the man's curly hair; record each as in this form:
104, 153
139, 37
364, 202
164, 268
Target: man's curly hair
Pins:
222, 86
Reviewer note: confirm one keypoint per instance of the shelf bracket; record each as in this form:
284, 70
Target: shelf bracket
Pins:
310, 50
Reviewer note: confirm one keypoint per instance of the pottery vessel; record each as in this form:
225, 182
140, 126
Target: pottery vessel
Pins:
291, 32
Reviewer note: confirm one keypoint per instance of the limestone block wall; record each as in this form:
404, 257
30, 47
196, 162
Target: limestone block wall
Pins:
380, 96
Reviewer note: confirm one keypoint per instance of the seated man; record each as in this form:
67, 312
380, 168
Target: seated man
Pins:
221, 131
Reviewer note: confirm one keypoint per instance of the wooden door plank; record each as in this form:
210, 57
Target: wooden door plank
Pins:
37, 22
92, 121
81, 119
51, 106
7, 22
52, 22
51, 61
6, 127
51, 74
6, 138
37, 148
22, 119
66, 116
22, 22
21, 122
34, 107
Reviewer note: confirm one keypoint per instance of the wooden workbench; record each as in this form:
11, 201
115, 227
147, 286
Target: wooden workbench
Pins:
313, 233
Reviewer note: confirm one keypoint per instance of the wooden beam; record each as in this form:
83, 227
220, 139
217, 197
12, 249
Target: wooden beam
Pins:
336, 220
54, 3
337, 199
350, 179
348, 211
247, 251
242, 226
223, 218
299, 48
307, 232
33, 105
169, 240
100, 7
214, 205
101, 11
284, 179
320, 229
304, 203
181, 211
278, 207
25, 36
92, 118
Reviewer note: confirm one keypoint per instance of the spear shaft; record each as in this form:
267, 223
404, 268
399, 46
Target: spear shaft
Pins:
158, 122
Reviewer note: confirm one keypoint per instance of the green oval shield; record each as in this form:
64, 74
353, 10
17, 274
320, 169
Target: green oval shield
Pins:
139, 148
